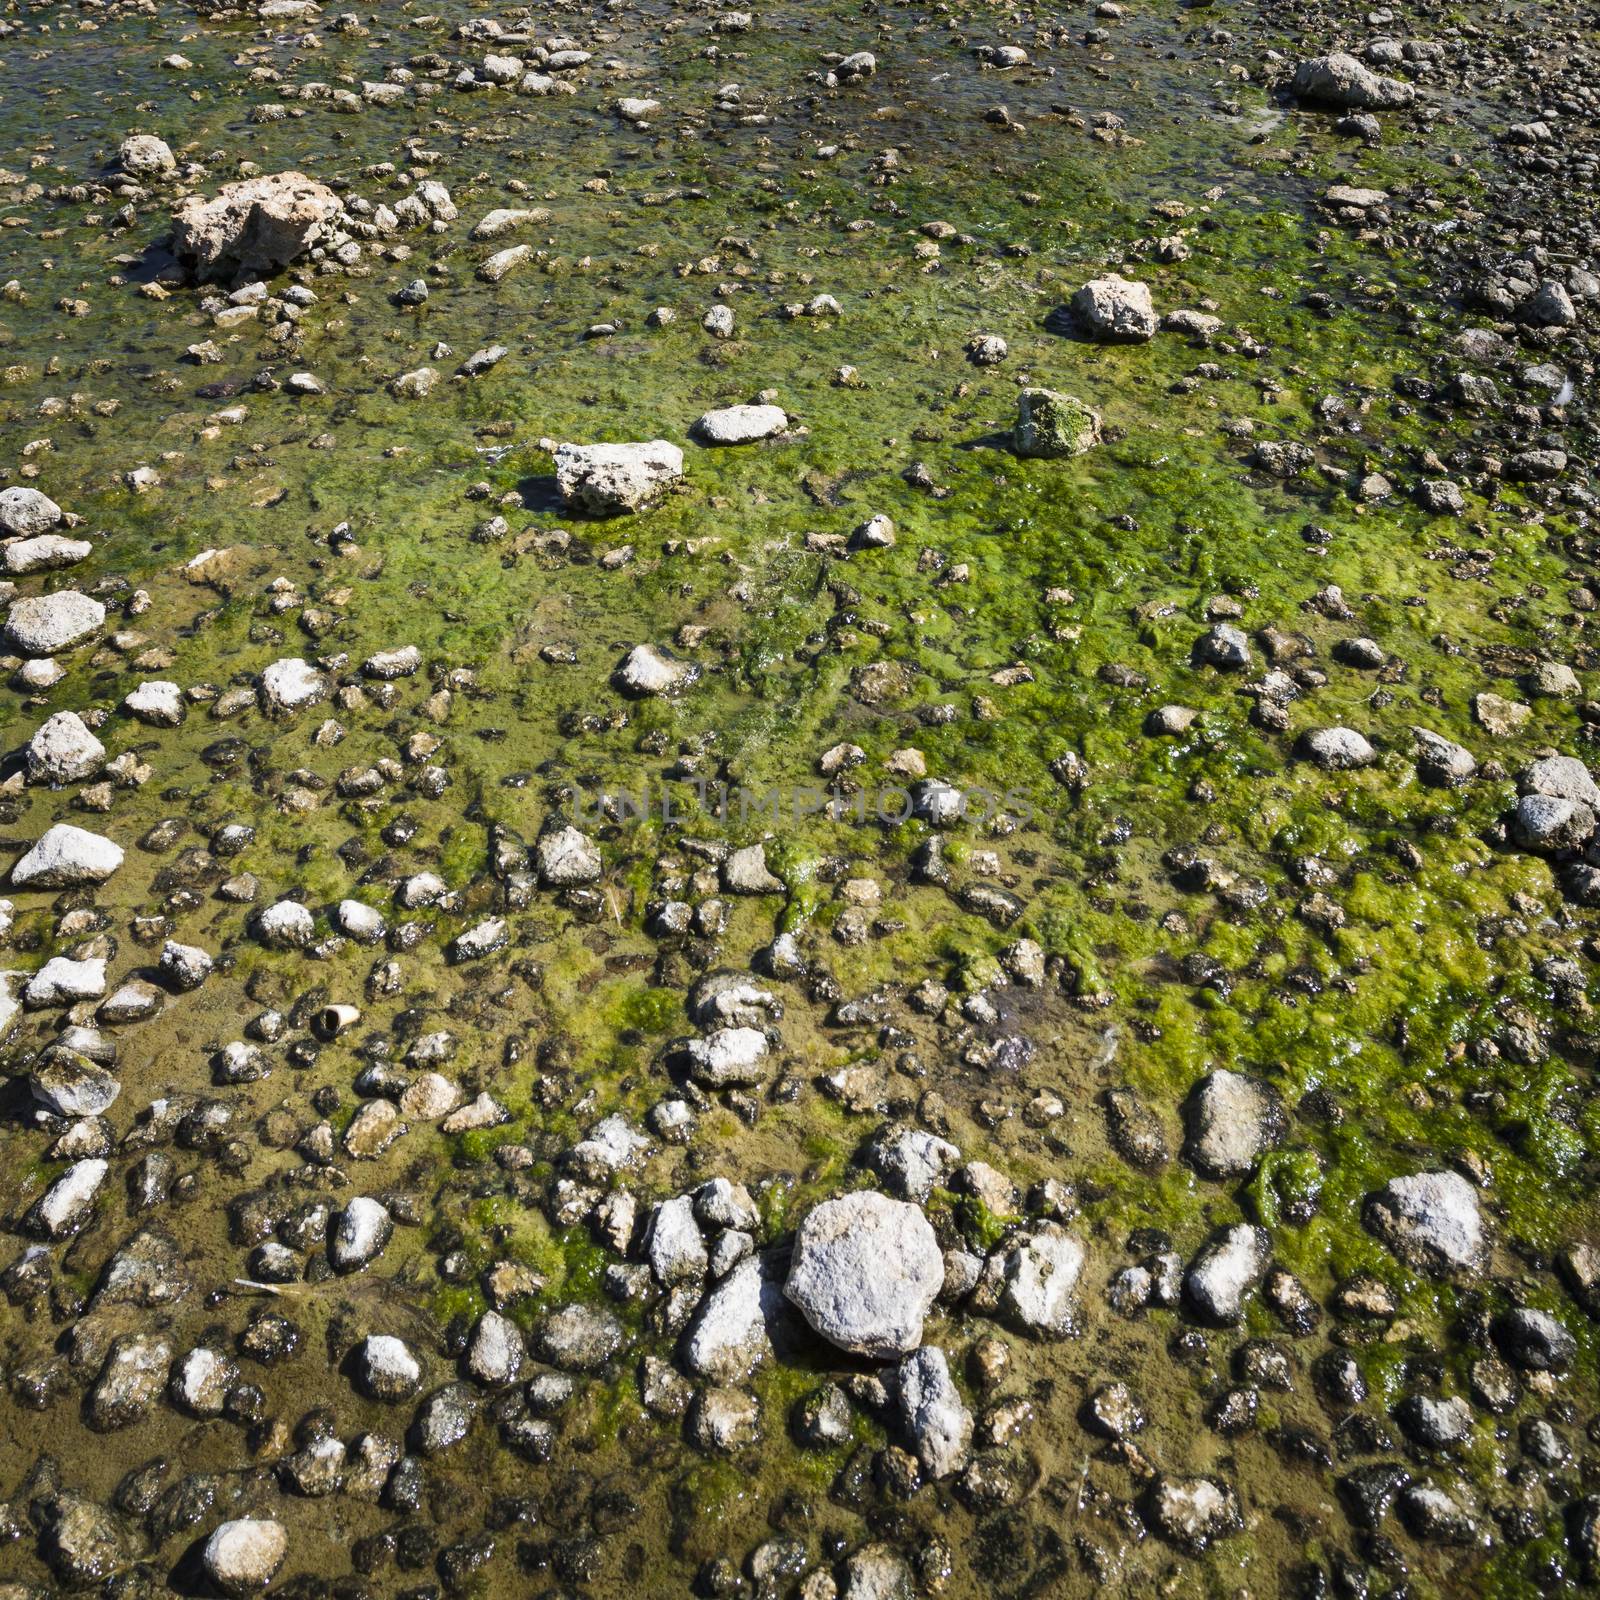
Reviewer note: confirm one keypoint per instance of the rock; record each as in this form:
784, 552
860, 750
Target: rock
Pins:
1225, 1271
647, 671
1041, 1280
1115, 310
1336, 749
183, 967
1191, 1513
61, 980
729, 1337
71, 1085
865, 1273
728, 1058
494, 1358
1233, 1121
45, 553
613, 479
1225, 647
65, 856
287, 925
1051, 426
443, 1420
364, 1228
746, 872
673, 1246
722, 1420
242, 1557
566, 857
386, 1369
26, 512
1435, 1516
740, 424
256, 226
62, 750
143, 155
1431, 1221
86, 1546
1435, 1423
875, 1572
156, 702
1561, 778
932, 1412
1442, 762
130, 1382
43, 624
579, 1338
291, 685
200, 1382
1135, 1130
1534, 1341
1546, 825
911, 1161
1341, 81
65, 1205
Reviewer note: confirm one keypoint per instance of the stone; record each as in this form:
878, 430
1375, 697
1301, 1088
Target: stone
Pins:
723, 1420
64, 857
673, 1246
1431, 1221
45, 553
1053, 426
1041, 1282
1191, 1513
729, 1336
86, 1545
728, 1058
130, 1382
43, 624
647, 670
63, 750
1226, 1271
71, 1085
567, 857
286, 925
1341, 81
616, 479
494, 1358
291, 685
579, 1338
143, 155
932, 1413
259, 225
25, 512
200, 1382
1336, 749
1233, 1121
61, 981
911, 1161
243, 1556
65, 1205
865, 1273
740, 424
1115, 310
363, 1229
876, 1572
156, 702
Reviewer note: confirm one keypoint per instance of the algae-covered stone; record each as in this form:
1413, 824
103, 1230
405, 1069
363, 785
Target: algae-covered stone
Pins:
1051, 425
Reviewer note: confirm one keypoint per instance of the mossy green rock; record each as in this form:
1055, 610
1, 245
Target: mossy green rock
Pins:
1052, 425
